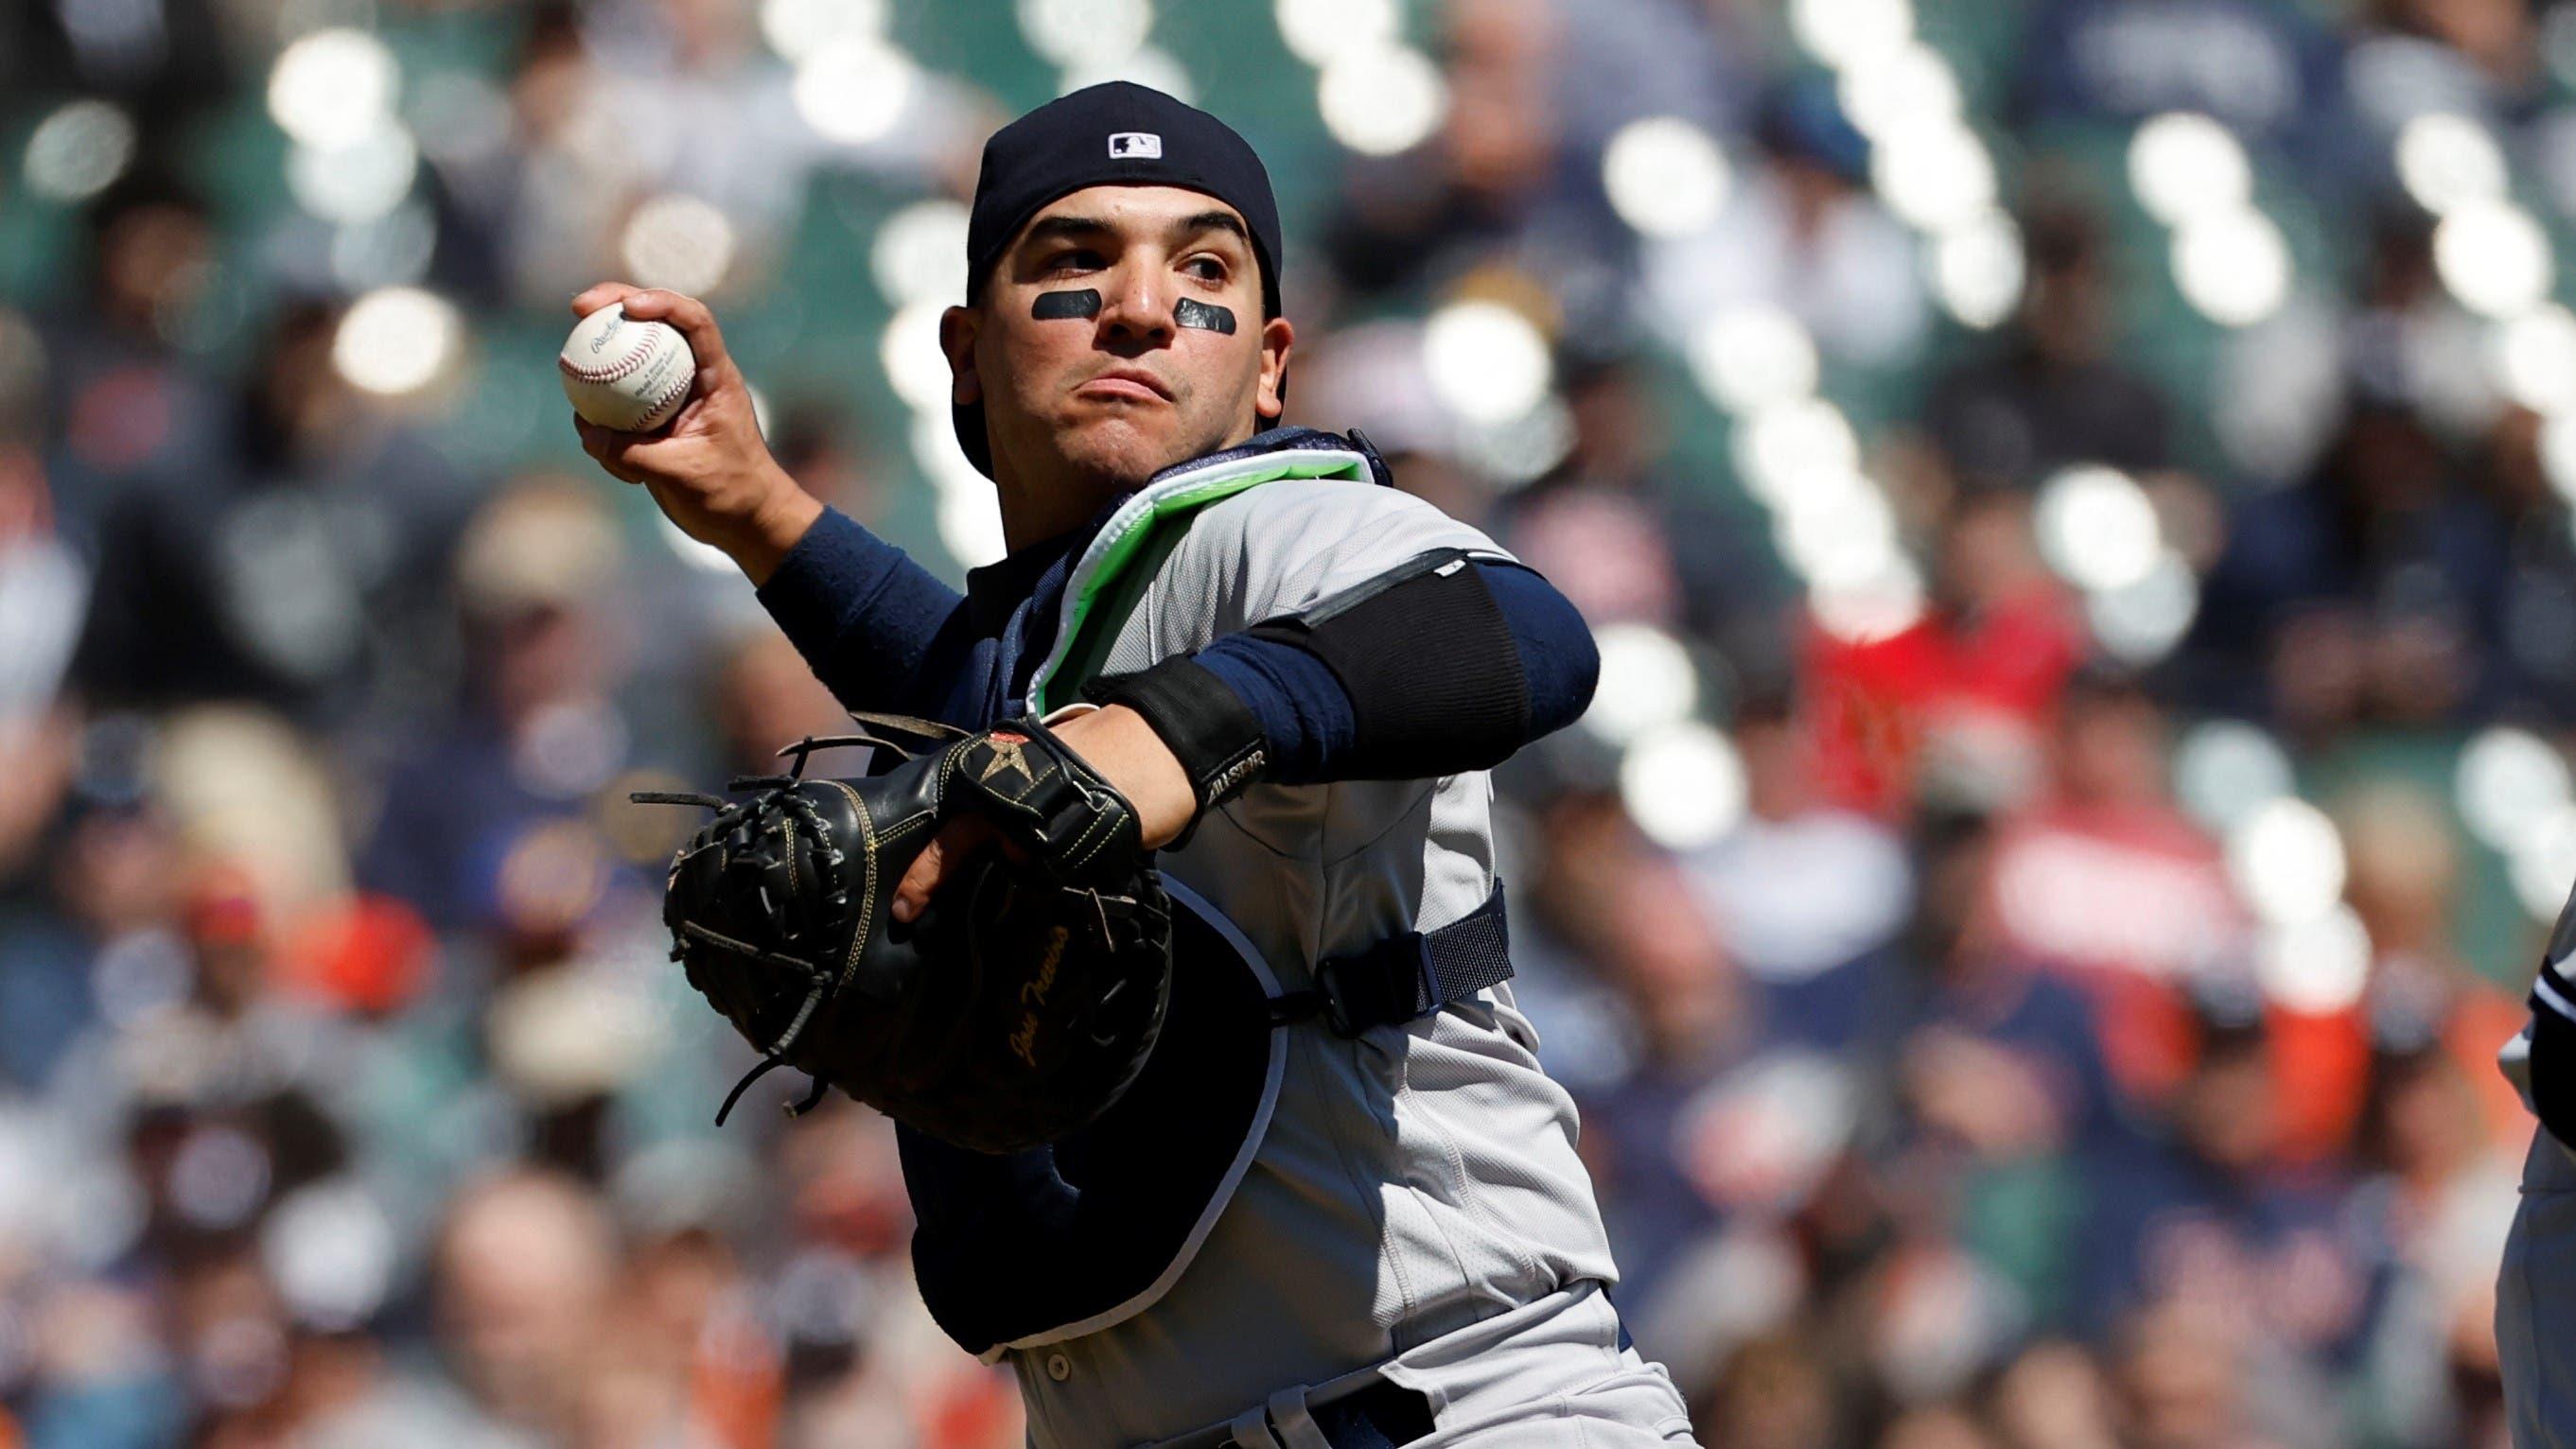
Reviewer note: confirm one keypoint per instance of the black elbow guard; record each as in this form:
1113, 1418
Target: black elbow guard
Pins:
1423, 651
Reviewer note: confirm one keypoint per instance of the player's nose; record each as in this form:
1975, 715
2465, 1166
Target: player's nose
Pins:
1136, 306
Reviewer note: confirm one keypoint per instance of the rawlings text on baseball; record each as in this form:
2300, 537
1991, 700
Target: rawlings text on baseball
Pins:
624, 374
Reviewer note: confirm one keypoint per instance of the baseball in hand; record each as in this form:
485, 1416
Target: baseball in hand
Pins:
625, 374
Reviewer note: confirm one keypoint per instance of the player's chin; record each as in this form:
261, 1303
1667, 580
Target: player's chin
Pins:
1129, 443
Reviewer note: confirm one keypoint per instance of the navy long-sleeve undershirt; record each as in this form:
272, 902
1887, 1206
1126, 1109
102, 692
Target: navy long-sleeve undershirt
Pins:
865, 616
884, 634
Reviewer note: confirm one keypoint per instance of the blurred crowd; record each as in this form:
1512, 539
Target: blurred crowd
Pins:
2073, 496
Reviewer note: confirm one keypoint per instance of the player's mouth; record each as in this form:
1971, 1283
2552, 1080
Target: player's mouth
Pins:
1126, 382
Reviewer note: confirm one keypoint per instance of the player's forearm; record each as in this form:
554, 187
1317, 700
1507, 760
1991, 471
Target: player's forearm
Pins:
863, 614
774, 530
1119, 744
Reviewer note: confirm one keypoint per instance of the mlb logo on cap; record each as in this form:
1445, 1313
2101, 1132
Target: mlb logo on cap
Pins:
1136, 146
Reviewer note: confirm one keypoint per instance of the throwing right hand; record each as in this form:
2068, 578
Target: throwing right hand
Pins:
709, 470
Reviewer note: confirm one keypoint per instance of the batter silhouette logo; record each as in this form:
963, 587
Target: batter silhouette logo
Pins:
1135, 146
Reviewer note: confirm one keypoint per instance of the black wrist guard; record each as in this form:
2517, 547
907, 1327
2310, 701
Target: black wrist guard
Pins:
1200, 719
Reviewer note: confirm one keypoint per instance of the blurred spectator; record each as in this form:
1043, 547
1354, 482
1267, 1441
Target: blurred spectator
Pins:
2368, 591
2107, 881
1949, 708
530, 205
2262, 67
2469, 55
2053, 1395
285, 568
1490, 189
1805, 893
767, 698
1603, 525
2002, 1072
534, 732
2052, 393
525, 1266
167, 59
1805, 236
44, 585
2538, 614
130, 408
2183, 1225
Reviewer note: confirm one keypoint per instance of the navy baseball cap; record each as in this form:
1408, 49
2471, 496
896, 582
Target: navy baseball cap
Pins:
1116, 133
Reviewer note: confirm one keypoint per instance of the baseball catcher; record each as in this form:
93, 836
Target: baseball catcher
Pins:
1179, 956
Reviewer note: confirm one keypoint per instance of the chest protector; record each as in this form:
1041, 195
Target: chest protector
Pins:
1067, 1239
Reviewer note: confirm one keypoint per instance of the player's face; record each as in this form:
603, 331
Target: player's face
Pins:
1166, 270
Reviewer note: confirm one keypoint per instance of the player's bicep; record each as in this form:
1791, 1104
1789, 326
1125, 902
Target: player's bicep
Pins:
1404, 649
1294, 546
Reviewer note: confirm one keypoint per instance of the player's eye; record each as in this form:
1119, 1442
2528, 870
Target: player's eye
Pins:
1215, 266
1079, 259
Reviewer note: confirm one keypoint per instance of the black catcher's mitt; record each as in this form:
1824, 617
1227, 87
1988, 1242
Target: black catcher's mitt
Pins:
1013, 1011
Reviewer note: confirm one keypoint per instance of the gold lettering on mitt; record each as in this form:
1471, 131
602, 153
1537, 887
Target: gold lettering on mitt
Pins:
1033, 993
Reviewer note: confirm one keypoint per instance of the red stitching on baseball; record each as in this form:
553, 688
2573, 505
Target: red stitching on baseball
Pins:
634, 358
678, 386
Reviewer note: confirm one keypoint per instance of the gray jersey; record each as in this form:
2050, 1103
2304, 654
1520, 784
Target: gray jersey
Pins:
1411, 1181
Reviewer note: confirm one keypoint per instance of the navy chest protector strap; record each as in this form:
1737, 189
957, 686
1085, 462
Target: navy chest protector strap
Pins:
1406, 976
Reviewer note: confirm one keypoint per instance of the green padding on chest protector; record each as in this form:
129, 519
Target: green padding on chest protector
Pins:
1120, 564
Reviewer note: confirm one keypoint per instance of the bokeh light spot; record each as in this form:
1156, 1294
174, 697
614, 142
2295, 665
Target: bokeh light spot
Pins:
79, 150
1318, 30
1665, 176
1487, 362
1934, 176
1647, 681
1847, 32
356, 183
798, 28
2511, 783
2317, 966
2226, 769
2185, 166
679, 242
2493, 256
2141, 621
1683, 784
1899, 88
2287, 861
853, 90
920, 253
1978, 270
1086, 32
2232, 266
909, 352
1381, 100
332, 87
2096, 527
1753, 357
397, 340
2446, 160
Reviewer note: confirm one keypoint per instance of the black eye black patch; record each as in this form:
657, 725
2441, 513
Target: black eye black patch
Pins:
1086, 303
1191, 312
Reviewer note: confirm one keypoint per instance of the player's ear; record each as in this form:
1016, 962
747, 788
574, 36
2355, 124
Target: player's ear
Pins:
957, 328
1270, 396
